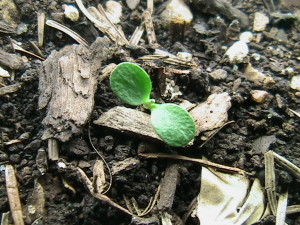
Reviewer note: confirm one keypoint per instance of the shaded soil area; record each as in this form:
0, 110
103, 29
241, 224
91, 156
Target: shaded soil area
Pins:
255, 127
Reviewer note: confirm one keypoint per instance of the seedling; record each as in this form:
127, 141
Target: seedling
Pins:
132, 85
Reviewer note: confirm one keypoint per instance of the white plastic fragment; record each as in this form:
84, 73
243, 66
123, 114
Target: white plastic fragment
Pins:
177, 11
228, 199
212, 113
258, 96
71, 12
113, 11
239, 50
295, 82
260, 22
132, 4
3, 72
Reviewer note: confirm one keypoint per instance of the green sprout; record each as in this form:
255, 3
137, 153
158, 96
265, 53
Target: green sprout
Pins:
172, 123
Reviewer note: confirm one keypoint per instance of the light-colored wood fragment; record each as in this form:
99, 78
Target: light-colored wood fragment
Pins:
16, 47
125, 165
293, 209
128, 120
150, 28
258, 77
10, 89
53, 150
99, 177
270, 184
281, 209
212, 113
41, 27
13, 195
136, 36
68, 31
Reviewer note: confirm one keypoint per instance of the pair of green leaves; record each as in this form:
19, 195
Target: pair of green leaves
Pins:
132, 85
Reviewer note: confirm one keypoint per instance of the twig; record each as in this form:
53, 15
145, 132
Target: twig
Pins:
292, 168
68, 31
136, 36
149, 28
41, 27
270, 181
200, 161
13, 195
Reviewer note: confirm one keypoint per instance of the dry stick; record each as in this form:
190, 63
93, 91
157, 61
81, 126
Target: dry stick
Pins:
292, 168
136, 36
102, 11
16, 47
101, 197
41, 27
149, 28
68, 31
270, 181
53, 151
200, 161
108, 168
13, 195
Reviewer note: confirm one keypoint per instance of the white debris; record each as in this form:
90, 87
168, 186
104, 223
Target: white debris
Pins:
260, 22
258, 95
288, 71
185, 56
4, 73
61, 165
239, 50
113, 11
132, 4
71, 12
295, 82
177, 11
212, 113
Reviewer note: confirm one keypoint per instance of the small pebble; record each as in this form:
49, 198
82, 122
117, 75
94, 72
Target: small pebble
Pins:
132, 4
258, 96
260, 21
4, 73
218, 74
71, 12
295, 82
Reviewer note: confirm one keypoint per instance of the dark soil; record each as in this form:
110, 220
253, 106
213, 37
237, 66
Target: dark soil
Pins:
67, 199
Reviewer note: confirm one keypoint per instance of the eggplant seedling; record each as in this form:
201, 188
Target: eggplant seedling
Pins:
173, 124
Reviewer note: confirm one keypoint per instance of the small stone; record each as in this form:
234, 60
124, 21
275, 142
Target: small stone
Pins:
177, 11
295, 82
4, 73
71, 12
218, 74
260, 21
84, 164
132, 4
258, 96
113, 11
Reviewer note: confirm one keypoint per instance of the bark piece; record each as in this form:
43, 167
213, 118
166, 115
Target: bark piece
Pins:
11, 61
10, 89
168, 188
128, 120
124, 165
68, 81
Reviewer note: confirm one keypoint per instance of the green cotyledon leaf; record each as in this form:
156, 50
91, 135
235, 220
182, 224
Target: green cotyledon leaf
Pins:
173, 124
131, 83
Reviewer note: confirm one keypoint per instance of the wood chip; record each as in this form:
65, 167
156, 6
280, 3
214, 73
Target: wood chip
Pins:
212, 113
13, 195
68, 81
99, 177
128, 120
10, 89
12, 61
281, 209
125, 165
168, 188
